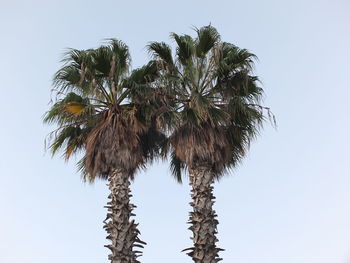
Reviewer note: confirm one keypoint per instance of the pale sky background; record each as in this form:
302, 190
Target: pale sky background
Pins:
288, 202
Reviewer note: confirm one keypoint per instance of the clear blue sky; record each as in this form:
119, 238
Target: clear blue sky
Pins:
288, 202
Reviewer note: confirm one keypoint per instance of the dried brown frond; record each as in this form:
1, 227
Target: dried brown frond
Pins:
202, 145
114, 144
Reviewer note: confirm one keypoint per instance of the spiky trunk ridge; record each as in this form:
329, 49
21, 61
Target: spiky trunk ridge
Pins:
122, 230
203, 218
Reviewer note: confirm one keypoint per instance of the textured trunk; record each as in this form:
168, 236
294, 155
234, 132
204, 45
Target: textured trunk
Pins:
203, 218
122, 231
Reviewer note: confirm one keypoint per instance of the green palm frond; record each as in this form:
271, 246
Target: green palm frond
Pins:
103, 58
77, 57
217, 116
71, 138
185, 48
67, 77
239, 58
121, 51
207, 38
162, 52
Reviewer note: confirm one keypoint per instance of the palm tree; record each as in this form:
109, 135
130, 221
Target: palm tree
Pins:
213, 113
102, 112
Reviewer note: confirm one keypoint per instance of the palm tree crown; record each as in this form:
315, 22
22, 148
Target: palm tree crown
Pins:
214, 100
98, 110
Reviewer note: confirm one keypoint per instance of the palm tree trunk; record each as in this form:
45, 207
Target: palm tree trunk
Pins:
122, 230
203, 218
